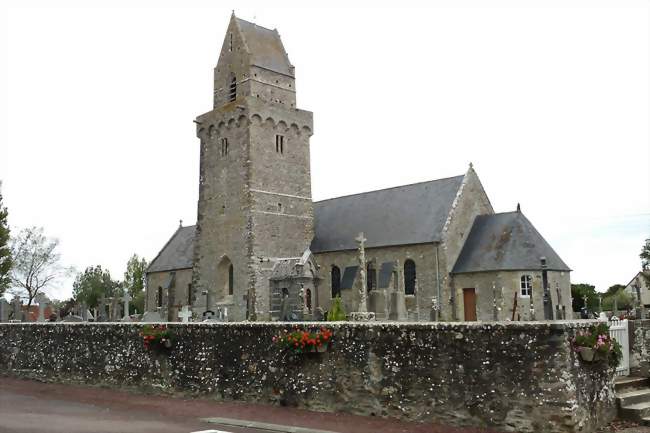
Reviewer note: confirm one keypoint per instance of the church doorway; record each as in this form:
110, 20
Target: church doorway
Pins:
469, 302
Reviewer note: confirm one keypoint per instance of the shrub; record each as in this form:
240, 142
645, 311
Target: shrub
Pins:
336, 313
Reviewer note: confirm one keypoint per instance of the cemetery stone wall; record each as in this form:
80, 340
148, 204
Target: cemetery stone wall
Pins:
509, 376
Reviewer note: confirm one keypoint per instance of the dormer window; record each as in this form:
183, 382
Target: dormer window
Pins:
279, 144
232, 90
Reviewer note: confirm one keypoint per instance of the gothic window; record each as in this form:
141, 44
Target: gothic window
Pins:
336, 281
526, 285
231, 277
159, 297
279, 144
409, 277
371, 280
308, 299
224, 146
232, 90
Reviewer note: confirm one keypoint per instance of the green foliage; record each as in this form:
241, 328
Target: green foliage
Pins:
579, 291
597, 338
624, 300
614, 289
134, 276
94, 283
137, 303
645, 261
337, 312
5, 250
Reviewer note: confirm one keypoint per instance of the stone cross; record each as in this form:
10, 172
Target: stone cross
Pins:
42, 303
362, 273
4, 310
126, 299
185, 314
17, 307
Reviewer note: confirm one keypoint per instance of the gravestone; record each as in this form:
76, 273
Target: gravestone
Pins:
126, 299
101, 311
16, 309
72, 318
42, 303
185, 314
4, 310
151, 316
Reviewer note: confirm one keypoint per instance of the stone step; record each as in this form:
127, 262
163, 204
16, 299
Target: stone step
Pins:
635, 412
633, 396
645, 421
625, 383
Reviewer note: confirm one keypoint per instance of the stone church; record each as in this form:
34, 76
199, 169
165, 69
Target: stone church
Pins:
261, 249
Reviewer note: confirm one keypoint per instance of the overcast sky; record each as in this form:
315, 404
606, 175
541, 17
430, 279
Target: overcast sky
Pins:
549, 103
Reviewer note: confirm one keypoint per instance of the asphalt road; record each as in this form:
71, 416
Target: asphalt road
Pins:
33, 407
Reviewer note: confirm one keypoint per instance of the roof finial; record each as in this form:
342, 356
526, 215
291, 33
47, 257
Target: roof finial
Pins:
471, 166
518, 207
180, 223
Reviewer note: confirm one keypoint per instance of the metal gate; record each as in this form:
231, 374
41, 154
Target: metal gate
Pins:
618, 330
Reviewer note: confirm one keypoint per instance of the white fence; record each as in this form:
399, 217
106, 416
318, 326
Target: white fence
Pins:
618, 330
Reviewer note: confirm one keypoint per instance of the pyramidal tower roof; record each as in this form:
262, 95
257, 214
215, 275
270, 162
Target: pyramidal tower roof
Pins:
264, 46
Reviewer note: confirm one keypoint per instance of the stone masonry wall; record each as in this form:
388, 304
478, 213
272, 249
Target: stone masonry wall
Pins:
519, 377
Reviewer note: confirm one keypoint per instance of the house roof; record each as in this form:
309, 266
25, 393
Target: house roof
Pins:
409, 214
505, 241
265, 47
177, 253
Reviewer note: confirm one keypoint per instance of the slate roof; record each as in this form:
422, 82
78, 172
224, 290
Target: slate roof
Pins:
177, 253
505, 241
409, 214
265, 47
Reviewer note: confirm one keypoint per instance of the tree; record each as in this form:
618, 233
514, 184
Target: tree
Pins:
624, 301
5, 249
136, 269
93, 283
614, 289
36, 263
645, 261
578, 293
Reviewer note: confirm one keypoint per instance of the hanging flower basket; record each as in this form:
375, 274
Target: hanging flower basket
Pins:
595, 345
302, 341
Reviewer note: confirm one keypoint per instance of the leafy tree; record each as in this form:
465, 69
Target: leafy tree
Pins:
624, 300
645, 261
5, 249
134, 277
93, 283
36, 263
578, 293
614, 289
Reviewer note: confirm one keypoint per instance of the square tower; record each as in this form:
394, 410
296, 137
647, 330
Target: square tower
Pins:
255, 187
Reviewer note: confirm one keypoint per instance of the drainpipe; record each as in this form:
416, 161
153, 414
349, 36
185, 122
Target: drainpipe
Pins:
439, 291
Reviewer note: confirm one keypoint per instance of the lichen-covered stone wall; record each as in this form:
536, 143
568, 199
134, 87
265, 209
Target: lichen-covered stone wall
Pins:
639, 336
519, 377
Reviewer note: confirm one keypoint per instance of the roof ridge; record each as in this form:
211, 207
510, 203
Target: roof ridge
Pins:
390, 187
254, 24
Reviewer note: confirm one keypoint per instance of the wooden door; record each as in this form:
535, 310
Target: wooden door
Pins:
469, 302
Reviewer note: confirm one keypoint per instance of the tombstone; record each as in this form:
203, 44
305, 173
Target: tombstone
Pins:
42, 303
16, 309
151, 316
185, 314
101, 312
4, 310
83, 312
114, 309
72, 318
397, 310
208, 315
126, 299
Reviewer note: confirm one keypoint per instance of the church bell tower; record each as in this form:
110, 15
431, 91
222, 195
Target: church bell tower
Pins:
255, 201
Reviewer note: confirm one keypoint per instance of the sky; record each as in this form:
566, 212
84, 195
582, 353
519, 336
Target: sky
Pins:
548, 100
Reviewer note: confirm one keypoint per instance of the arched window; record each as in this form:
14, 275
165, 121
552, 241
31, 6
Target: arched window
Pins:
232, 90
308, 299
371, 273
231, 279
336, 282
409, 277
160, 296
526, 285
